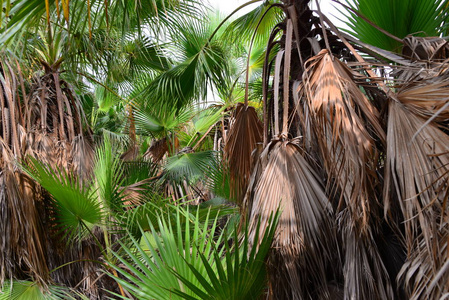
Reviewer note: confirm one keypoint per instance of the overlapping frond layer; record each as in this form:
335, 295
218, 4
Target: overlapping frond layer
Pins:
431, 48
428, 97
20, 218
244, 135
416, 170
305, 237
344, 121
426, 274
426, 62
54, 125
47, 124
365, 273
18, 204
347, 128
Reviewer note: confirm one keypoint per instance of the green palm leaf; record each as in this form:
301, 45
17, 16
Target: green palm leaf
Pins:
182, 258
108, 177
243, 28
190, 166
29, 290
200, 62
239, 274
144, 218
171, 247
207, 118
398, 17
77, 208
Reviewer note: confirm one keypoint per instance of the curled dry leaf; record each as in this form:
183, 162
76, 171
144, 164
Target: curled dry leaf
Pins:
244, 135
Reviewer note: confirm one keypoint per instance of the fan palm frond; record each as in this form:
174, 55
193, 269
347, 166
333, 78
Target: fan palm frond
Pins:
149, 274
399, 18
151, 120
25, 290
77, 209
427, 97
244, 135
287, 181
201, 62
345, 121
190, 166
225, 275
186, 261
244, 27
416, 167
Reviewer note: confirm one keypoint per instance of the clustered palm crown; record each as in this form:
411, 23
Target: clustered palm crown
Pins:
320, 173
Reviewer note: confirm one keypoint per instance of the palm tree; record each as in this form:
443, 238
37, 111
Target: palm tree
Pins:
42, 117
356, 161
357, 166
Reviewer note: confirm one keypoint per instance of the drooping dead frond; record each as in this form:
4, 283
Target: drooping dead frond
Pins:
132, 153
416, 171
21, 242
426, 275
20, 219
53, 108
343, 118
54, 124
304, 241
347, 127
245, 133
365, 273
82, 154
46, 124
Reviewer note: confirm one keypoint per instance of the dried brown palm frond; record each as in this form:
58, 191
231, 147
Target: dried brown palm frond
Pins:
54, 124
347, 130
364, 270
427, 97
344, 122
22, 245
427, 56
416, 171
157, 150
53, 108
426, 275
82, 154
46, 124
132, 153
243, 136
432, 49
304, 241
